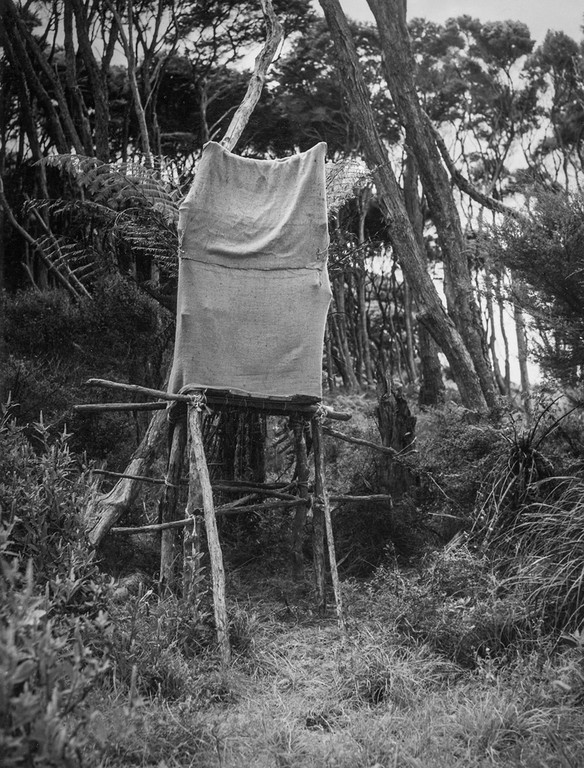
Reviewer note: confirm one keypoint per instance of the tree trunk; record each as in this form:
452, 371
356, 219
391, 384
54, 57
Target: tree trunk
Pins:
400, 68
412, 260
397, 430
98, 79
432, 390
522, 353
493, 334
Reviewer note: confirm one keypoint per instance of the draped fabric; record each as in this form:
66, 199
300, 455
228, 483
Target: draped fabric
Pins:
253, 288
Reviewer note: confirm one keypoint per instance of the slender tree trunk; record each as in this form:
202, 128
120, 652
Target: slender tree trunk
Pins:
432, 312
432, 390
361, 279
504, 337
338, 287
409, 328
522, 353
493, 334
78, 105
98, 80
128, 45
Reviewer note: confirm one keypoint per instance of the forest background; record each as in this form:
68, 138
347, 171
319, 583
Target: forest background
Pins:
454, 189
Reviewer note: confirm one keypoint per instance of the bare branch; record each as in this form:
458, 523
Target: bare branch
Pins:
264, 59
464, 184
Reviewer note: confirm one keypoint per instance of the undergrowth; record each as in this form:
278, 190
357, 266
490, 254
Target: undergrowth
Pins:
470, 654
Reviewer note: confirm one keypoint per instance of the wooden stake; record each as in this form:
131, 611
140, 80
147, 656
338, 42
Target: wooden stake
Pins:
169, 547
302, 510
322, 502
200, 483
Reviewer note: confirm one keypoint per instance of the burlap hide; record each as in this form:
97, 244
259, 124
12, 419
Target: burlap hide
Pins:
253, 288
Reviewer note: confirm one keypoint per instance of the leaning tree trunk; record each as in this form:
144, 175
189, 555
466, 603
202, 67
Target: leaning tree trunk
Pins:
412, 260
400, 68
103, 511
432, 390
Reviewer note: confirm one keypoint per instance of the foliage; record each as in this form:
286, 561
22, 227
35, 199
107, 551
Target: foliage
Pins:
455, 604
56, 344
548, 547
545, 251
52, 598
455, 453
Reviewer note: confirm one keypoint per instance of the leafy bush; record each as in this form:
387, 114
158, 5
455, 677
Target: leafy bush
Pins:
545, 250
52, 624
47, 668
153, 640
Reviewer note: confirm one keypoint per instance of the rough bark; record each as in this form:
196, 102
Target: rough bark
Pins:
97, 77
432, 390
522, 355
400, 68
432, 312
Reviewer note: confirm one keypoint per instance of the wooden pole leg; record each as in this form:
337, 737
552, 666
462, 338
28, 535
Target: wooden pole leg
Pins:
200, 483
322, 503
302, 510
170, 543
192, 554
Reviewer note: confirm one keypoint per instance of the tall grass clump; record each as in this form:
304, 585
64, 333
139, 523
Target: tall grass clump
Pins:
548, 539
530, 521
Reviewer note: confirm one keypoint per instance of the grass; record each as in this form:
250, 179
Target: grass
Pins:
301, 694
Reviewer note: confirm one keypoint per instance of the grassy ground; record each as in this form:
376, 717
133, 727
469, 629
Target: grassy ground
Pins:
451, 656
300, 693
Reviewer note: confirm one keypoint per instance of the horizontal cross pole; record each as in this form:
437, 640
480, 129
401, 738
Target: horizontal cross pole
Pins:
109, 407
223, 487
232, 510
218, 399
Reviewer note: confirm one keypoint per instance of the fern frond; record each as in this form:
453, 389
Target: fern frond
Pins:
122, 185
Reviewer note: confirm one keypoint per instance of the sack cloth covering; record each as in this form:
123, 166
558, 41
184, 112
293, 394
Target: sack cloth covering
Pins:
253, 288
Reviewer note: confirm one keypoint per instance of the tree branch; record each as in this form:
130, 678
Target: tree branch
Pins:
464, 184
240, 119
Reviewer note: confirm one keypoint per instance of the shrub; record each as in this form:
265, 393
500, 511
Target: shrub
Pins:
55, 344
46, 671
456, 452
53, 631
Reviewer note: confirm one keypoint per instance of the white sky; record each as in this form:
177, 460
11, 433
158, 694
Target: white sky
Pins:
539, 15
